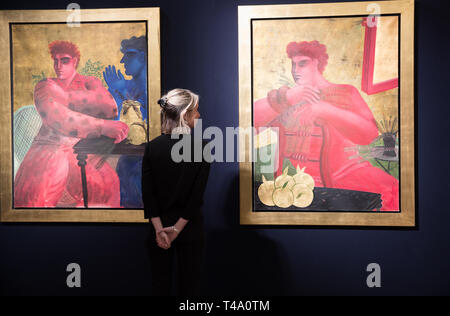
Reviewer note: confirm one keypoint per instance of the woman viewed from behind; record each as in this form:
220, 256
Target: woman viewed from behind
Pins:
173, 195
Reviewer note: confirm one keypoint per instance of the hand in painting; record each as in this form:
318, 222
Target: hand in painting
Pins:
304, 93
314, 113
115, 129
114, 79
48, 91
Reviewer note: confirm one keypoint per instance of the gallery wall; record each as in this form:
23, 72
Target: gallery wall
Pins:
200, 52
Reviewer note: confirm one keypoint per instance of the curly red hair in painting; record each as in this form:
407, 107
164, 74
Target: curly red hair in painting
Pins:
312, 49
64, 47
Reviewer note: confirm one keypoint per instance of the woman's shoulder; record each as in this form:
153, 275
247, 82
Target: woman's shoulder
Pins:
159, 139
186, 139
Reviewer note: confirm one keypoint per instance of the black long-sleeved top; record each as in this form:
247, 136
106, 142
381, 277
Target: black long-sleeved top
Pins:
170, 189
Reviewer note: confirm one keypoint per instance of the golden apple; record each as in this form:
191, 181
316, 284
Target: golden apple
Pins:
301, 177
284, 180
283, 197
265, 192
303, 195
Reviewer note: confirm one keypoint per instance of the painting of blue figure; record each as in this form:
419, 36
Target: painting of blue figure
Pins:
134, 60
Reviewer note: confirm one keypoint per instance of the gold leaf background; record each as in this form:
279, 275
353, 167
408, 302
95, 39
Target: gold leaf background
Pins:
344, 38
31, 56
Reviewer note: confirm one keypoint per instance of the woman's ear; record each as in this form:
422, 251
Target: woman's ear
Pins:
316, 63
142, 56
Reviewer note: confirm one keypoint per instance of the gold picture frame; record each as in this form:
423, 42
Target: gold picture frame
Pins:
146, 20
265, 31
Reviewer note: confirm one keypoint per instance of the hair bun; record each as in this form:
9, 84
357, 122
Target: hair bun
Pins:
162, 102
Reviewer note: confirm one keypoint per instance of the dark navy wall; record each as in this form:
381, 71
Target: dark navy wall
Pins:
200, 52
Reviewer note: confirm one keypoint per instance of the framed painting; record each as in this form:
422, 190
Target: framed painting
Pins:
326, 100
77, 107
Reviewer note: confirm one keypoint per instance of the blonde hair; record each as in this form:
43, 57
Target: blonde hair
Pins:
174, 107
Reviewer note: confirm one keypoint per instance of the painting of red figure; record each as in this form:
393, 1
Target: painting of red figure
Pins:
72, 106
325, 123
58, 102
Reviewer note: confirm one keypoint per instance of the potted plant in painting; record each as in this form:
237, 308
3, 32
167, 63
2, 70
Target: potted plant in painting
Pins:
388, 129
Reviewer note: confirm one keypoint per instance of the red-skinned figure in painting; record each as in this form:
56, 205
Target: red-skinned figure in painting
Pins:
320, 126
72, 107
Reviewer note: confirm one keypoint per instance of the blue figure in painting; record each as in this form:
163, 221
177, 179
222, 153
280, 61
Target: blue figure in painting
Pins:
135, 62
129, 168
